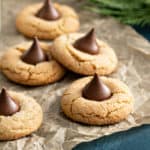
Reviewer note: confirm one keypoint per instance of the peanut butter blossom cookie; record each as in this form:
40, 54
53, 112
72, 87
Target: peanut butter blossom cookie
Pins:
31, 64
19, 115
84, 54
97, 101
47, 21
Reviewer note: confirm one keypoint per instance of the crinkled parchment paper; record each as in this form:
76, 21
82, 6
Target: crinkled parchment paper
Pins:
57, 132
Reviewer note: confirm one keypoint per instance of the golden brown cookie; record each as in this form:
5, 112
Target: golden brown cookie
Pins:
21, 72
109, 111
27, 120
103, 63
30, 25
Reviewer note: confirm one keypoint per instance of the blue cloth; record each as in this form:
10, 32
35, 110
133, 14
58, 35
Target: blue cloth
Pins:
143, 31
134, 139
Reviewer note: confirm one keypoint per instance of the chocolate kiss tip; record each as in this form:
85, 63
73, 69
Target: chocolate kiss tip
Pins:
92, 31
87, 43
96, 90
7, 105
48, 11
35, 54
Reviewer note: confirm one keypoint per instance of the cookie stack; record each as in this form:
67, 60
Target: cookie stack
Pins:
94, 100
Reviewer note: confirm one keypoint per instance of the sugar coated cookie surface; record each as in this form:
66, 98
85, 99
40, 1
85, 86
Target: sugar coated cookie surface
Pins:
27, 120
15, 69
112, 110
30, 25
103, 63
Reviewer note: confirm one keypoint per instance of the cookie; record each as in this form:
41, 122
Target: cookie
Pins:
112, 109
15, 66
23, 122
95, 56
34, 20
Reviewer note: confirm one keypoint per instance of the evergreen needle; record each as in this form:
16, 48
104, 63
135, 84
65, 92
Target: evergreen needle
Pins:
133, 12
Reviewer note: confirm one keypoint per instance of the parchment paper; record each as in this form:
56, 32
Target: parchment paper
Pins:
57, 132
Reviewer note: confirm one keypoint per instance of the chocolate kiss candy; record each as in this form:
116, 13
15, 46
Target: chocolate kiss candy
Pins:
35, 54
87, 43
48, 12
7, 105
96, 90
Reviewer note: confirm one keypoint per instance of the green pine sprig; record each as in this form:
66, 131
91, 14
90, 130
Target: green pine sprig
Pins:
133, 12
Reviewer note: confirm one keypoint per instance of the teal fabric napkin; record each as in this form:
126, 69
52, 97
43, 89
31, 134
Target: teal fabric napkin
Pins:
134, 139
